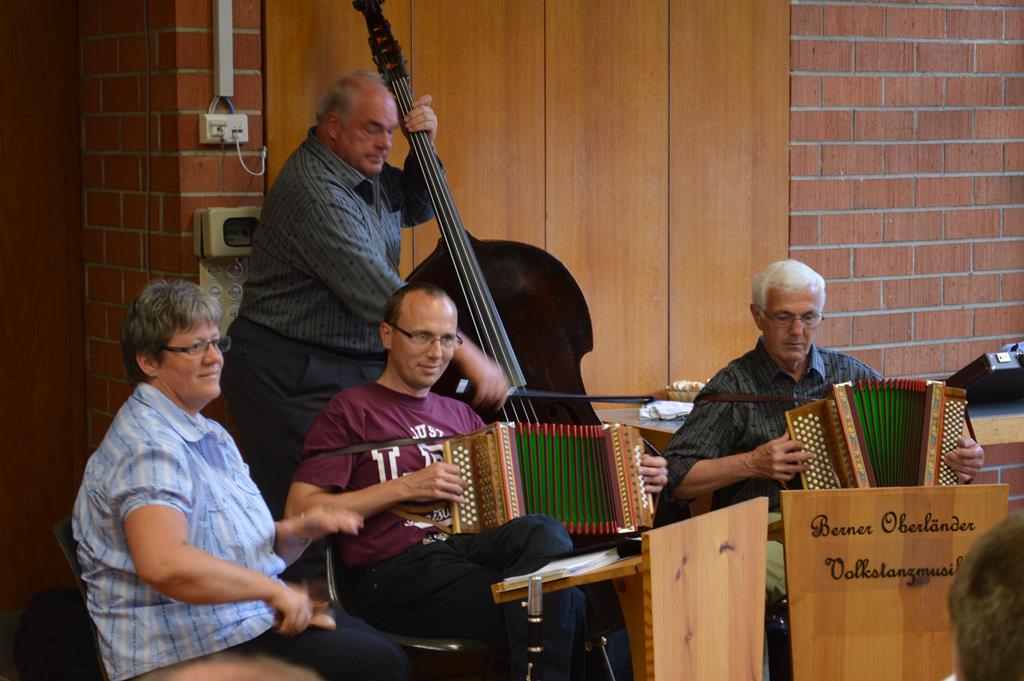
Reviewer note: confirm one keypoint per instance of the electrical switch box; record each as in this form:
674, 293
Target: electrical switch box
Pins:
224, 232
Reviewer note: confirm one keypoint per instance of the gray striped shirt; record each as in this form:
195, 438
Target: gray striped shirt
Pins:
324, 261
717, 429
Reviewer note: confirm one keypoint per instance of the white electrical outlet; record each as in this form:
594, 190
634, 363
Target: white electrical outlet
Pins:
223, 128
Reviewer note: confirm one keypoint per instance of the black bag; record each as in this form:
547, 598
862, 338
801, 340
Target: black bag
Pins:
54, 640
993, 377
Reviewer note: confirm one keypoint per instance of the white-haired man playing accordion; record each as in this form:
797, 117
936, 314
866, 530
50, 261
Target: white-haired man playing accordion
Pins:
739, 449
409, 577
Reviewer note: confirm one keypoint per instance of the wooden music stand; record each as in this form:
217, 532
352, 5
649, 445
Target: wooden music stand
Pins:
693, 600
867, 599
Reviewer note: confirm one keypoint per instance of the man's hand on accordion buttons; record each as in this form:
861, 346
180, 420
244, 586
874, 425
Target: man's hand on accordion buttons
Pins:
654, 471
779, 459
966, 460
437, 481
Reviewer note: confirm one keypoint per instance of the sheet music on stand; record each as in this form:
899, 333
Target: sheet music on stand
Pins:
578, 561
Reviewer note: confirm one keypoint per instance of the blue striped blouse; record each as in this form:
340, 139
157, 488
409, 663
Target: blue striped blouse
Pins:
155, 453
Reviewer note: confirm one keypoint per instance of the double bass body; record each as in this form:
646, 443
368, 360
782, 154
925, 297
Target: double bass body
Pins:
545, 317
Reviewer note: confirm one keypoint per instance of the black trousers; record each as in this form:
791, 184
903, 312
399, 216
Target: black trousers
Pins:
352, 652
444, 589
275, 387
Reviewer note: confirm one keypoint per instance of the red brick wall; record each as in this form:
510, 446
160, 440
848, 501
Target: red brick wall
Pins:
131, 234
907, 182
907, 166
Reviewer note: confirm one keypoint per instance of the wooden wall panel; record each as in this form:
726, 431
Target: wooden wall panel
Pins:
607, 178
483, 63
42, 407
729, 92
644, 144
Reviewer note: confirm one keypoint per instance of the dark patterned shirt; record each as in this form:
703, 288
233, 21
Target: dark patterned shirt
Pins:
324, 258
717, 429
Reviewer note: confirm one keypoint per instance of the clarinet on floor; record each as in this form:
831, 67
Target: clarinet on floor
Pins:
534, 630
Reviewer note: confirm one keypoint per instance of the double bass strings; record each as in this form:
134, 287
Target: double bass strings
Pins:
487, 326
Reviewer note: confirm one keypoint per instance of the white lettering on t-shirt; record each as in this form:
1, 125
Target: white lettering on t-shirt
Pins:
424, 430
392, 456
431, 453
387, 459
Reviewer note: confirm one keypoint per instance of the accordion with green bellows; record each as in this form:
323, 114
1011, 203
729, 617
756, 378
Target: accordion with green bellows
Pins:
588, 477
880, 433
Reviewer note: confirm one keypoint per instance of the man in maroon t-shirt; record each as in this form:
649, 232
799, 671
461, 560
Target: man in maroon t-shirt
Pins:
412, 578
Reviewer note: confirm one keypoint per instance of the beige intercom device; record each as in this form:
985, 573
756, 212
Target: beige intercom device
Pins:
224, 232
222, 240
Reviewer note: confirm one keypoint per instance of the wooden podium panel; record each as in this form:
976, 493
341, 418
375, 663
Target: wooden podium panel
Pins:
704, 590
868, 571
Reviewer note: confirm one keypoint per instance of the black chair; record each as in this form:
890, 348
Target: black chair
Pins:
66, 540
431, 657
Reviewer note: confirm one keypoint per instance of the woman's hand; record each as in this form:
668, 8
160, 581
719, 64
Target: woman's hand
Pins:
321, 521
293, 609
295, 534
322, 617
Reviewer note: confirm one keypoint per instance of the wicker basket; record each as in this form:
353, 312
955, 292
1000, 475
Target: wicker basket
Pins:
683, 391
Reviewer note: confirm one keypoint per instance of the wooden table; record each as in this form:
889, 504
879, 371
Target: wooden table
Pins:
658, 433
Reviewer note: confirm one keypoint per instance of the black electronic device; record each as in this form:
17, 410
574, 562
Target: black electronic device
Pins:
993, 377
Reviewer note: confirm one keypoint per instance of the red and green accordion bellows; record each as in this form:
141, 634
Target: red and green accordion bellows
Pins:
588, 477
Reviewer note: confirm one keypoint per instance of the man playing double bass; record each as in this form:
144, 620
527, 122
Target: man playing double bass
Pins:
409, 575
324, 261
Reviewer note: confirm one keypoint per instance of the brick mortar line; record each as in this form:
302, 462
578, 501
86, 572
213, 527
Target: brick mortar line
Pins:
163, 112
206, 195
134, 230
919, 276
912, 310
900, 39
912, 74
174, 71
898, 209
907, 176
905, 108
905, 143
848, 348
970, 241
166, 194
923, 209
214, 150
211, 194
164, 30
903, 5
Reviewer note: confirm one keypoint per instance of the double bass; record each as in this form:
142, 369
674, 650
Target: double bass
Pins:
536, 325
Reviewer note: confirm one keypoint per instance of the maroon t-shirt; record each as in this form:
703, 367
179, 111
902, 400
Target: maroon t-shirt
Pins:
372, 413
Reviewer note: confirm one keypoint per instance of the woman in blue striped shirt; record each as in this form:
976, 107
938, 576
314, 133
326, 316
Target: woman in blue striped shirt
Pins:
179, 552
